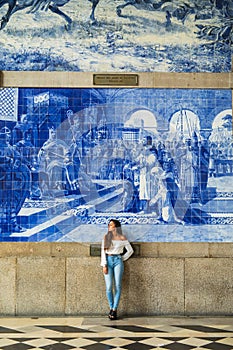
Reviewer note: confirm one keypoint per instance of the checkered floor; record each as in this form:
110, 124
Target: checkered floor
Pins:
124, 334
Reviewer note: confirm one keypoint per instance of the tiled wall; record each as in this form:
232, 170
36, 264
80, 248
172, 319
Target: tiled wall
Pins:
63, 196
137, 36
158, 159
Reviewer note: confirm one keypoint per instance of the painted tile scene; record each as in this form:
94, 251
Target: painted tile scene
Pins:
116, 36
159, 160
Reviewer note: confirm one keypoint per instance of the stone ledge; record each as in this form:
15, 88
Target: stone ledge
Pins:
144, 249
146, 80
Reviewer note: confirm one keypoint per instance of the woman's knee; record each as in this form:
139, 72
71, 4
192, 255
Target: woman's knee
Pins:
118, 286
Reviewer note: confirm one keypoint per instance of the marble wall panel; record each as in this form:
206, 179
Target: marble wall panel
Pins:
85, 288
208, 288
154, 286
40, 286
7, 286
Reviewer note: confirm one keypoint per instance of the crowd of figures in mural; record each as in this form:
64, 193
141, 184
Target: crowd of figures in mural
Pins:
111, 167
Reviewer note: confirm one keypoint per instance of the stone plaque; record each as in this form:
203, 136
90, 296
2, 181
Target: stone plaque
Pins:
116, 79
95, 249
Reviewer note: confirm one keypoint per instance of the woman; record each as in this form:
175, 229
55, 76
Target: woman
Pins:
112, 257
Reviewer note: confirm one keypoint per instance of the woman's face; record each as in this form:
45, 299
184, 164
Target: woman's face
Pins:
111, 226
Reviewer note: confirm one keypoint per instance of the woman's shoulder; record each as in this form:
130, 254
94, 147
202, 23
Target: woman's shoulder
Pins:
124, 238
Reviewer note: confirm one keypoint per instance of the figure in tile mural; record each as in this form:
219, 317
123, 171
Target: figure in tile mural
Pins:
145, 161
51, 159
20, 128
14, 184
172, 35
189, 170
132, 160
29, 157
204, 166
34, 6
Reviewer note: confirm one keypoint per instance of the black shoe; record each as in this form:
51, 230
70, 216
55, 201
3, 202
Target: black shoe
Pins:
114, 315
110, 314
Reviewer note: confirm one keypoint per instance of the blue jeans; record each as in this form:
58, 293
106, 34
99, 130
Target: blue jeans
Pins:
113, 279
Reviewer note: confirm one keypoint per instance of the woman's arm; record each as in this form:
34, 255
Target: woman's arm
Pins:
103, 255
129, 251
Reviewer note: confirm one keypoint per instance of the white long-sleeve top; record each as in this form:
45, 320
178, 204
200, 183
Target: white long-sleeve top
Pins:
117, 247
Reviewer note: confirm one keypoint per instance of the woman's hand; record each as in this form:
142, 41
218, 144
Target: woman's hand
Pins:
105, 270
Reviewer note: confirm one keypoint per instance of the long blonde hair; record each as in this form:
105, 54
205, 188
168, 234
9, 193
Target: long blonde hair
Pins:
108, 236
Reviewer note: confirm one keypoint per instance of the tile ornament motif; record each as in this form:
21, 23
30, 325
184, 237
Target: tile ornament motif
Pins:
159, 160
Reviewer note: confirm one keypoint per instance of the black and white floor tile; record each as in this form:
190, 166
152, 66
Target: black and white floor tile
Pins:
92, 333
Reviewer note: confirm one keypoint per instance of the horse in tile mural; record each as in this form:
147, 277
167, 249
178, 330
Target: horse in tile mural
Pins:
53, 5
41, 5
178, 9
34, 5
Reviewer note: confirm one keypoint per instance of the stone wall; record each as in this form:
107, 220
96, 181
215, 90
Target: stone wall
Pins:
52, 279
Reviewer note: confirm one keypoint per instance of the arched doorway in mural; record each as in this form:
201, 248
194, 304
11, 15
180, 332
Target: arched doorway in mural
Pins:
183, 124
144, 123
221, 145
222, 127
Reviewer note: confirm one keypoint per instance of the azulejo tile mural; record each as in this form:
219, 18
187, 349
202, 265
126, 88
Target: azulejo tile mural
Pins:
120, 35
160, 160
